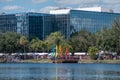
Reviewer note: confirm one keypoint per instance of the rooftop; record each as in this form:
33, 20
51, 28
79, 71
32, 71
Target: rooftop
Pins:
67, 10
96, 9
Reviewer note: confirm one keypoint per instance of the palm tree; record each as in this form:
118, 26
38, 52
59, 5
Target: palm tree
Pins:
23, 42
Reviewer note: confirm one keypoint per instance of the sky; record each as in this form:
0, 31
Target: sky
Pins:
43, 6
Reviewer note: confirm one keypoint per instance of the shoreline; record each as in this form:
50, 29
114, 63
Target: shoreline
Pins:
79, 62
100, 61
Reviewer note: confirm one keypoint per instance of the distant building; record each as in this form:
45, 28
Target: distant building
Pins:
28, 24
91, 19
35, 24
65, 20
8, 23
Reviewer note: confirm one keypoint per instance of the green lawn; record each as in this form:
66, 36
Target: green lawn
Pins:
99, 61
37, 61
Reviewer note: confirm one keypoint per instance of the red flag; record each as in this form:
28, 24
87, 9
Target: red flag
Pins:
66, 52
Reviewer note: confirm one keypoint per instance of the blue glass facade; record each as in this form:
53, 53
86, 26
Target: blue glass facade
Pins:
22, 24
62, 23
34, 25
40, 25
91, 21
8, 23
77, 20
30, 25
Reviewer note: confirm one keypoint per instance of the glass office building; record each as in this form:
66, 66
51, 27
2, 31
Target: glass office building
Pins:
91, 21
40, 25
22, 24
62, 24
34, 25
70, 21
8, 23
30, 25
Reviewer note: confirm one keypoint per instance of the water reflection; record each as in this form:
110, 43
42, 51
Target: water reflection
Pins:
59, 72
64, 73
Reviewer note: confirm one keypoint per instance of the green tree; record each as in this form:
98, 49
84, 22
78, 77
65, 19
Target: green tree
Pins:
80, 41
92, 52
54, 39
115, 33
44, 46
65, 45
36, 45
103, 39
108, 39
23, 42
9, 42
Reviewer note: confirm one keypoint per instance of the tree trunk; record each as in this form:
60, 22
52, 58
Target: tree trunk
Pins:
24, 53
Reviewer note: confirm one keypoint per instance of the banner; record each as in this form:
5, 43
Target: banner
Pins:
53, 52
60, 49
66, 52
56, 51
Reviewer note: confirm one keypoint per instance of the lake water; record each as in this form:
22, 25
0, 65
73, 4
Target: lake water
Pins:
35, 71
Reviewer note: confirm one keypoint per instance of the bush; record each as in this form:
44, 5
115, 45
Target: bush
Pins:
92, 52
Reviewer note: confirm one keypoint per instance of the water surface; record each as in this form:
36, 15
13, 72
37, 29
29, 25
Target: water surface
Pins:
36, 71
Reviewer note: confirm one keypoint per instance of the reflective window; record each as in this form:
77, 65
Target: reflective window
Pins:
91, 21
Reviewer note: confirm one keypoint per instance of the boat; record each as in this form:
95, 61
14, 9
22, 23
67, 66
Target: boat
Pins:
72, 59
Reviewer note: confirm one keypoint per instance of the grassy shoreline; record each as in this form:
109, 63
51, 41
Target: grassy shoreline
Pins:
80, 61
37, 61
100, 61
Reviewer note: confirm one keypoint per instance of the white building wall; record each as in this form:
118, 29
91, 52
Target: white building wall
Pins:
66, 11
96, 9
60, 11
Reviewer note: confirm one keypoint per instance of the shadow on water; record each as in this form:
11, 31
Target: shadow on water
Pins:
59, 71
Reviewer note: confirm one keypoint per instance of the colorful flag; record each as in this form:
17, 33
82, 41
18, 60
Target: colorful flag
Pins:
60, 49
56, 51
66, 52
53, 52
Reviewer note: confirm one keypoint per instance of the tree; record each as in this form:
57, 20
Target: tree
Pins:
92, 52
108, 39
23, 42
54, 39
115, 33
9, 42
80, 41
103, 39
36, 45
65, 45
